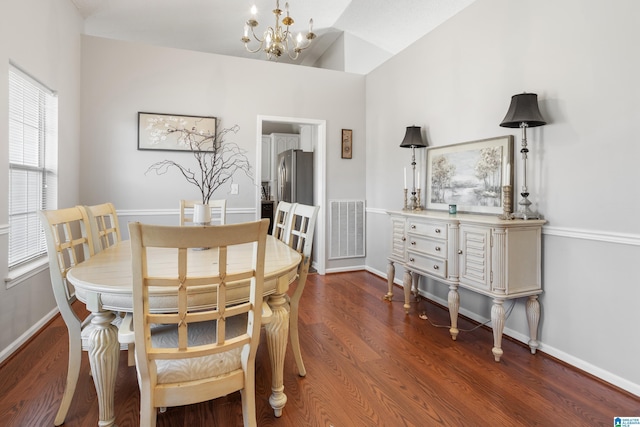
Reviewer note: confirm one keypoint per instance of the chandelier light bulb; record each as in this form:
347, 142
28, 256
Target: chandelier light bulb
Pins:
311, 25
254, 10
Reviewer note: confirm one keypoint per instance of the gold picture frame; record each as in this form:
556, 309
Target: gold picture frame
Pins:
347, 143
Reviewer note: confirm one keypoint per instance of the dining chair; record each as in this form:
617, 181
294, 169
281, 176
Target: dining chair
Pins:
282, 221
205, 353
300, 237
104, 225
69, 242
218, 211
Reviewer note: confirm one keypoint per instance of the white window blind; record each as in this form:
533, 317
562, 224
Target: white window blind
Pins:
33, 141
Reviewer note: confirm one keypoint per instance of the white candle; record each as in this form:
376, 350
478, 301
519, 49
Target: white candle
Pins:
405, 178
508, 174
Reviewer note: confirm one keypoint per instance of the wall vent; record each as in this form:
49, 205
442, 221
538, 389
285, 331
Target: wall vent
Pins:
346, 229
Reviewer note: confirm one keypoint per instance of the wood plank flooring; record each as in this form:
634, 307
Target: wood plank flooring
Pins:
368, 364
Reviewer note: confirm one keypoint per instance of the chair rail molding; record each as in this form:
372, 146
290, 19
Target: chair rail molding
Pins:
568, 232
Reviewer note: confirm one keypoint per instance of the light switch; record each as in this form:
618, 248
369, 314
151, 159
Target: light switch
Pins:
234, 188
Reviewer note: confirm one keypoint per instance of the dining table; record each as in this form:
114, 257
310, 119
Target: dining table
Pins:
104, 284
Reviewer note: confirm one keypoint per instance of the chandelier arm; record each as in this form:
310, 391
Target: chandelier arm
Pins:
246, 46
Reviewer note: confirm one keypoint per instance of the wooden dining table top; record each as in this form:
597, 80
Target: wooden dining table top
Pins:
109, 273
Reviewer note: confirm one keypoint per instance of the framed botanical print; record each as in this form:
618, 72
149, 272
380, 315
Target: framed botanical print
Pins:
347, 143
175, 132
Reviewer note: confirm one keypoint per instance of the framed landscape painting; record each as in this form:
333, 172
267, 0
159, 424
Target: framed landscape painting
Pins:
469, 175
175, 132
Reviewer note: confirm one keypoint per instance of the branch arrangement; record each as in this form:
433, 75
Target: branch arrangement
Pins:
217, 160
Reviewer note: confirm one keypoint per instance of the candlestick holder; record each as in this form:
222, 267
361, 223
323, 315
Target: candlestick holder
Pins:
506, 203
418, 204
405, 199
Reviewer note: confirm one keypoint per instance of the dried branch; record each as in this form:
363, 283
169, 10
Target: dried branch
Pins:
217, 160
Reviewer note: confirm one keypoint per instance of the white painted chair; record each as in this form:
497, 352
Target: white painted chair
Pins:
218, 211
302, 223
282, 221
203, 354
104, 225
69, 242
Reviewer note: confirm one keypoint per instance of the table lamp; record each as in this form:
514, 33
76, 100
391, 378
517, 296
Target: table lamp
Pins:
523, 113
413, 139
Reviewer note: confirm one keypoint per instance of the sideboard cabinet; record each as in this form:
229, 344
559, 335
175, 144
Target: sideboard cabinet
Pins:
497, 258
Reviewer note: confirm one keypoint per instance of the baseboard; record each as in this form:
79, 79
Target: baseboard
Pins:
27, 335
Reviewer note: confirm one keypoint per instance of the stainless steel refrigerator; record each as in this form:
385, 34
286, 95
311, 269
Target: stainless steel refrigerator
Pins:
295, 177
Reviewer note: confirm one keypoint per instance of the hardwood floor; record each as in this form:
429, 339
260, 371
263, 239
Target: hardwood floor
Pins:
368, 364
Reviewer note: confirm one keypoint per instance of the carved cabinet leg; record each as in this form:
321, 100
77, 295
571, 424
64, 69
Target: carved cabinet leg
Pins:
533, 317
453, 300
104, 354
391, 274
406, 284
277, 332
497, 318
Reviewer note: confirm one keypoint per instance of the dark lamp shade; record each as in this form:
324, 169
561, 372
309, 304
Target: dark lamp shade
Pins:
523, 109
413, 138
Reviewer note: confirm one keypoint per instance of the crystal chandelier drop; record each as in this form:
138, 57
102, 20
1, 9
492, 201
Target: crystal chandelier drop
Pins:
279, 39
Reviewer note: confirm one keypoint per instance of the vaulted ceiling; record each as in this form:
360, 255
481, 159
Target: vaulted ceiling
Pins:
216, 26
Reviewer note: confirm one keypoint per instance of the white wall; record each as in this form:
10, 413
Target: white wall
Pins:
120, 79
582, 59
42, 37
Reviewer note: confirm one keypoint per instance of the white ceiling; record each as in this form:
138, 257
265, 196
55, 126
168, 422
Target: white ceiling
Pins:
216, 26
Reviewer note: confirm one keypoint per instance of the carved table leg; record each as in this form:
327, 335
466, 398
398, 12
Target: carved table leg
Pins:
277, 332
104, 354
533, 317
391, 274
453, 300
406, 284
497, 318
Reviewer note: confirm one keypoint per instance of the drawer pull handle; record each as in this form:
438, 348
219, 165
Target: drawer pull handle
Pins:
412, 259
459, 251
435, 267
437, 248
413, 226
437, 231
413, 243
404, 239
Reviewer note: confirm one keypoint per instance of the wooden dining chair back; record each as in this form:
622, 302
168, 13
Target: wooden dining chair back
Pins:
207, 352
104, 225
218, 211
300, 237
282, 221
69, 242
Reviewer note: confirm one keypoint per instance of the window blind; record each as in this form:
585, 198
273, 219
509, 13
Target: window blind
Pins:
33, 140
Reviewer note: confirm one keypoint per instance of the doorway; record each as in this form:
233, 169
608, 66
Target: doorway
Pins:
317, 139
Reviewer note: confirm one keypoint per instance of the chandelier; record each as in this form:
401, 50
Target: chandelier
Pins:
279, 39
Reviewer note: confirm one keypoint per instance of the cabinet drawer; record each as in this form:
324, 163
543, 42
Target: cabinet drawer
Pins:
429, 229
427, 264
433, 247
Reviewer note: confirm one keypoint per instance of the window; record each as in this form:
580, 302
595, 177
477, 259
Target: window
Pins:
33, 140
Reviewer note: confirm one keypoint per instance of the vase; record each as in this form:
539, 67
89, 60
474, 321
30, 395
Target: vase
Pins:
201, 214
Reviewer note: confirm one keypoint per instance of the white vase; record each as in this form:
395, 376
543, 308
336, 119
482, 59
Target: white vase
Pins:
201, 214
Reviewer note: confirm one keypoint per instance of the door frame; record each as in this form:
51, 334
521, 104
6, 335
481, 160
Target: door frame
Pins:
319, 177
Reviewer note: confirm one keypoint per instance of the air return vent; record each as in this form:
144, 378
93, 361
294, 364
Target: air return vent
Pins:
346, 229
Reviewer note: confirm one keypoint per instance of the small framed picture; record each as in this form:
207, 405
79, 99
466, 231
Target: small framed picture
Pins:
347, 143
